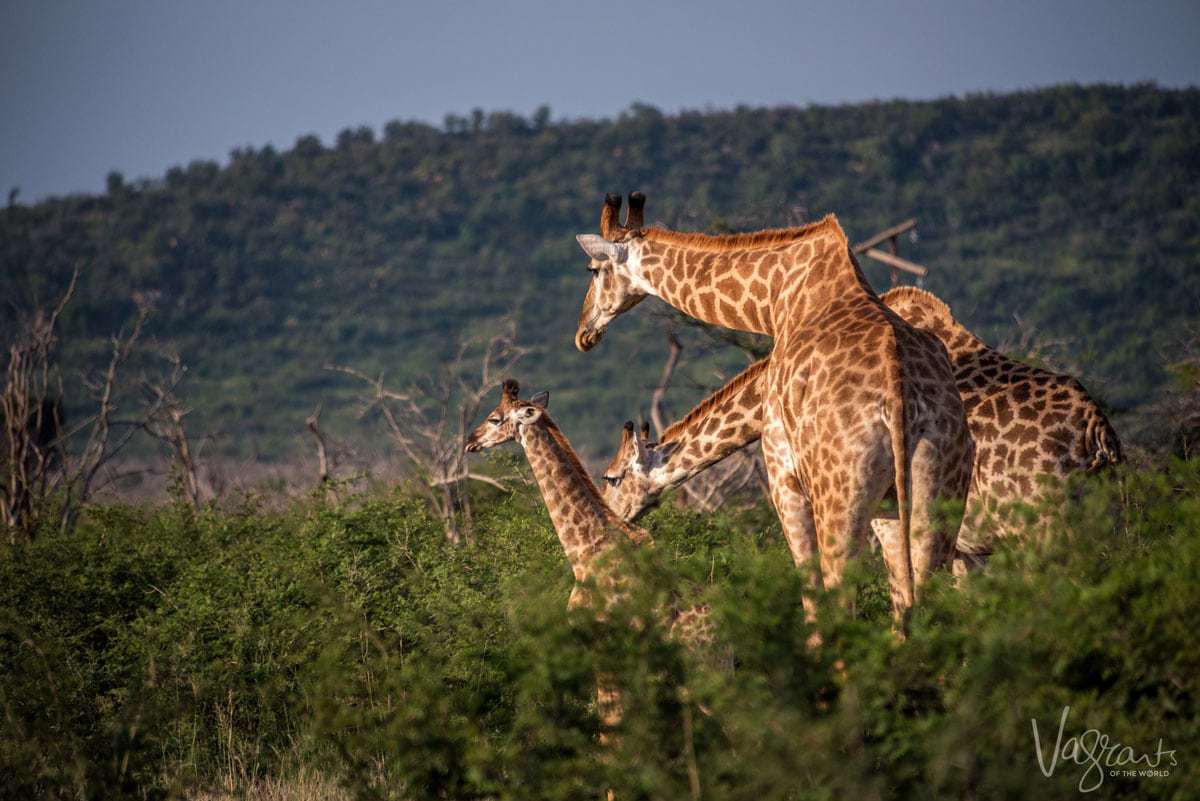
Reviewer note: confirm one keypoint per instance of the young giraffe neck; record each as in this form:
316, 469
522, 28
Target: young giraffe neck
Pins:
585, 525
751, 282
730, 418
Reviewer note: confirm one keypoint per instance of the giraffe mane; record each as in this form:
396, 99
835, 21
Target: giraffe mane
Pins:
735, 385
935, 306
573, 461
923, 298
725, 242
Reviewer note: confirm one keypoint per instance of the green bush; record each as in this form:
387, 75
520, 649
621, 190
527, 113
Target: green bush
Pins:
158, 651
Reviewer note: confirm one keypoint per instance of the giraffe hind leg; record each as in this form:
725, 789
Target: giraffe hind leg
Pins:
937, 495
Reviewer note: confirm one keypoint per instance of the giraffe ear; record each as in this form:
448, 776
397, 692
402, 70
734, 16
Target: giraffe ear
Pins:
601, 249
541, 400
665, 449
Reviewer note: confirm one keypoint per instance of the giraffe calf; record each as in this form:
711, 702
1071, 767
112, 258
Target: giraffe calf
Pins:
591, 534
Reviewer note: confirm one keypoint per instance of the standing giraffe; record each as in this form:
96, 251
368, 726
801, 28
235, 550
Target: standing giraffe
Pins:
856, 399
1032, 428
1032, 431
590, 533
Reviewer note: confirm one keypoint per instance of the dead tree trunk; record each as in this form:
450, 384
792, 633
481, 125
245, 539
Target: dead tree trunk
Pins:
324, 480
45, 478
164, 422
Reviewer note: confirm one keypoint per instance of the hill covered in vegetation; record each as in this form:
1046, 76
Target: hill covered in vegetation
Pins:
1071, 208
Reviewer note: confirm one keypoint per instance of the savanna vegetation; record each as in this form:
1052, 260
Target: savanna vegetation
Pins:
158, 652
337, 643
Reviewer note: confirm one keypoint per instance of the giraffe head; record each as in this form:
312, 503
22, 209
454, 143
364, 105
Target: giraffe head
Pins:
629, 490
616, 286
504, 423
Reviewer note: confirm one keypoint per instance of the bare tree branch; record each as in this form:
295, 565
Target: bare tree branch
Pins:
164, 422
39, 468
429, 423
657, 413
313, 422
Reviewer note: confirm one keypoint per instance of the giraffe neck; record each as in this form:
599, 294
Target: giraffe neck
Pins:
730, 418
585, 525
750, 282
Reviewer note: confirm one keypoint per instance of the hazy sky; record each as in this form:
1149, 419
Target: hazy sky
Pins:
89, 87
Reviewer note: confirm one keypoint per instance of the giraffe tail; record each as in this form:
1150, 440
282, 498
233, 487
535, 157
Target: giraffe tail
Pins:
1103, 444
899, 431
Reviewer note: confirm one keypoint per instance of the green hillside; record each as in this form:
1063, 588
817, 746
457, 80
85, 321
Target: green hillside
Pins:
1074, 208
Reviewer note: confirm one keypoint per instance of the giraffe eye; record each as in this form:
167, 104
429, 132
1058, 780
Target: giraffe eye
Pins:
494, 421
613, 481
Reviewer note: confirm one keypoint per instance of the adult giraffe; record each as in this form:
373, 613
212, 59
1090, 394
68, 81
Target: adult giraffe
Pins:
856, 398
1032, 430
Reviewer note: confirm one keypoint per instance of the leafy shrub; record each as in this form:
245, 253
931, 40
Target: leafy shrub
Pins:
161, 650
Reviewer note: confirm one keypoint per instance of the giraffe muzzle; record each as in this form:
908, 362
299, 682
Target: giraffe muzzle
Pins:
588, 338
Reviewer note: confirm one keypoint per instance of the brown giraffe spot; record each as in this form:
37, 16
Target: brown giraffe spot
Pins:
1004, 414
1055, 418
750, 313
731, 288
1024, 434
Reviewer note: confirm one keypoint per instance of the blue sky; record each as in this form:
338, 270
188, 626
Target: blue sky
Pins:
134, 86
